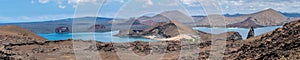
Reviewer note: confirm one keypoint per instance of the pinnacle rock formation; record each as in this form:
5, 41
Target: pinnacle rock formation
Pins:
251, 33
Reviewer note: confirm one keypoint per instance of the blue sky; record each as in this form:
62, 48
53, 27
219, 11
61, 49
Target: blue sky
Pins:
44, 10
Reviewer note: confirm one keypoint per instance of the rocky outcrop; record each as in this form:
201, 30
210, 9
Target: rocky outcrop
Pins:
62, 29
163, 30
174, 30
233, 36
251, 33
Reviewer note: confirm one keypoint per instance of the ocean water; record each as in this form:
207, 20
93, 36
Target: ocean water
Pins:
103, 37
242, 31
108, 36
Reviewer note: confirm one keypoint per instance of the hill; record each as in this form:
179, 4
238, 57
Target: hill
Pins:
14, 34
269, 17
249, 22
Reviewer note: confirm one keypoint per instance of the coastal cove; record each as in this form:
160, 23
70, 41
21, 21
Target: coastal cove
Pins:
108, 36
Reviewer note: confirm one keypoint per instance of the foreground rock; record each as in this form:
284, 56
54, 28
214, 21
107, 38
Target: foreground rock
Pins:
283, 43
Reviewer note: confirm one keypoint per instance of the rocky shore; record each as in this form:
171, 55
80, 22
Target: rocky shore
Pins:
282, 43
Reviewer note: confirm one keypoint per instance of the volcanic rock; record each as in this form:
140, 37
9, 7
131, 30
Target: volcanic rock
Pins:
62, 29
283, 43
163, 30
234, 36
251, 33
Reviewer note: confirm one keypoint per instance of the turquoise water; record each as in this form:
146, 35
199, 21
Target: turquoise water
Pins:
108, 36
103, 37
242, 31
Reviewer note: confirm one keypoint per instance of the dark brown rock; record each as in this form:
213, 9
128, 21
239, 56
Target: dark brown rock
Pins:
250, 33
278, 44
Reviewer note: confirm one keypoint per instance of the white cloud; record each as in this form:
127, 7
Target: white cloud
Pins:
191, 3
62, 3
250, 6
6, 19
43, 1
149, 2
228, 6
62, 6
